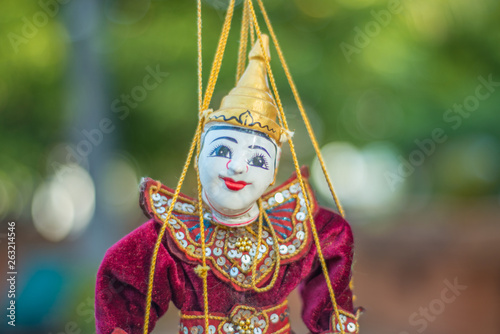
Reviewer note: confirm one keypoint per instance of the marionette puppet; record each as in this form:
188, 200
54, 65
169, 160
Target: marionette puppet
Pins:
229, 258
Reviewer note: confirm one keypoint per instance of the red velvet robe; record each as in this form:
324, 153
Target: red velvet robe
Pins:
122, 279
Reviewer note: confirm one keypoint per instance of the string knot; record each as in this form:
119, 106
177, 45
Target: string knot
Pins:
201, 271
286, 135
204, 114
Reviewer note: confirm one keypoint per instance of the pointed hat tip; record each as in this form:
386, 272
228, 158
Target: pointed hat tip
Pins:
257, 50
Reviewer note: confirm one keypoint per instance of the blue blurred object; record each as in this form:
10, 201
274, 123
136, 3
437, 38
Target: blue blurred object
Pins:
40, 290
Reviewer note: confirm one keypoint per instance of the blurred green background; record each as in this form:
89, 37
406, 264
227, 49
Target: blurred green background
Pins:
403, 96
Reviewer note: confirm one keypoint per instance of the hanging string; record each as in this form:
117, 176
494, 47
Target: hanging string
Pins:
214, 74
206, 102
195, 144
262, 213
200, 62
204, 269
163, 228
297, 169
242, 52
301, 108
303, 114
251, 27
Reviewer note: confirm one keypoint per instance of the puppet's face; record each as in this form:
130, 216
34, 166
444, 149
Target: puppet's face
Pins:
236, 167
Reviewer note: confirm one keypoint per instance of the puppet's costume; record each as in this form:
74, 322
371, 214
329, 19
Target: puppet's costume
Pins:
253, 268
122, 278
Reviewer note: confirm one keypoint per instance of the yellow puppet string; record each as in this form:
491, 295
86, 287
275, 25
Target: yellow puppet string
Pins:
243, 43
259, 241
303, 114
163, 228
250, 25
262, 212
246, 26
297, 169
203, 271
200, 58
218, 56
208, 94
301, 108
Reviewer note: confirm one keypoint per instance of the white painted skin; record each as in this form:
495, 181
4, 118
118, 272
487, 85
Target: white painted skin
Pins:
240, 156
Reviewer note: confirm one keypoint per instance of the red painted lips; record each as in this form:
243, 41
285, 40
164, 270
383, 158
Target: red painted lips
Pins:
234, 185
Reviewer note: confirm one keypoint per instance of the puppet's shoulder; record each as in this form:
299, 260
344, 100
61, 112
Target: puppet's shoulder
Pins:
183, 225
156, 198
128, 259
287, 214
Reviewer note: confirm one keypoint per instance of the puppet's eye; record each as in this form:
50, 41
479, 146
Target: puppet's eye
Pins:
258, 160
221, 151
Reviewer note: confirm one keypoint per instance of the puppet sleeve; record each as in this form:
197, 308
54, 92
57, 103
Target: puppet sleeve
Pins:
337, 247
122, 282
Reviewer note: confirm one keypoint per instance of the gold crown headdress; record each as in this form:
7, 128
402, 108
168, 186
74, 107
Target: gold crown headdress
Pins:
251, 104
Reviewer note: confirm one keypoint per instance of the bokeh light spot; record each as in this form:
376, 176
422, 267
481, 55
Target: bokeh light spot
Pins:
358, 176
64, 204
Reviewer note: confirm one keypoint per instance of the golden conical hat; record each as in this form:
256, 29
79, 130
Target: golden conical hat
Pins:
250, 104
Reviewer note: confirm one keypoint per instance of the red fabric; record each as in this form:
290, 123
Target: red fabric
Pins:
123, 278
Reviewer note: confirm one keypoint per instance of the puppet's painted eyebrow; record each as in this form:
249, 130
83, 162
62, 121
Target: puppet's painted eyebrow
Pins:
227, 138
260, 148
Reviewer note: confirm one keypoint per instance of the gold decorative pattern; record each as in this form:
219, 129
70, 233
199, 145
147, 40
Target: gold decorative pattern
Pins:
271, 320
242, 319
348, 321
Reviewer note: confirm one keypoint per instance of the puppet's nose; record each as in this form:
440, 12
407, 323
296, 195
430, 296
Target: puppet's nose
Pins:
237, 166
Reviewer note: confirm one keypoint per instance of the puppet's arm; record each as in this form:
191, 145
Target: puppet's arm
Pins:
336, 244
122, 281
